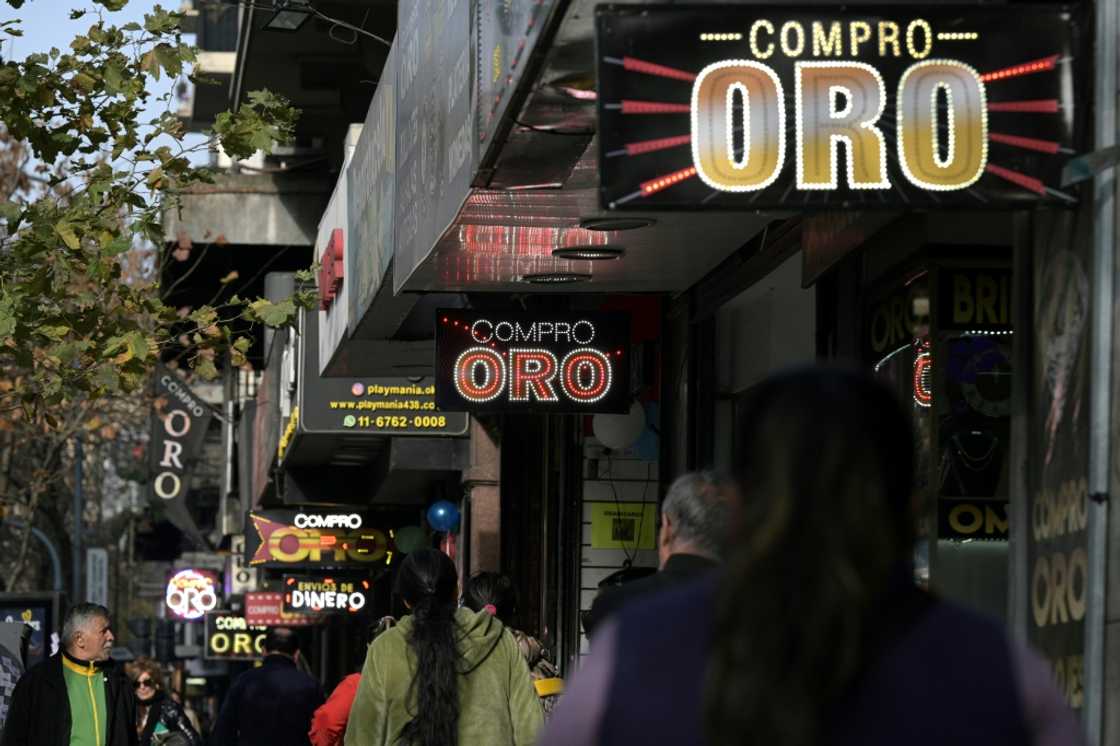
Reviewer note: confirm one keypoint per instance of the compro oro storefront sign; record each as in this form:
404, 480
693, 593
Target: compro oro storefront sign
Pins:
192, 593
313, 538
229, 637
325, 595
752, 106
561, 362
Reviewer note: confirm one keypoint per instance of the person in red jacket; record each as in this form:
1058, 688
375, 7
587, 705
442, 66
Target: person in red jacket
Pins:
328, 724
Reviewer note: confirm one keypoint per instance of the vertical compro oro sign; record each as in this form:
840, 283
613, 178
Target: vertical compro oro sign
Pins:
747, 106
179, 422
1058, 467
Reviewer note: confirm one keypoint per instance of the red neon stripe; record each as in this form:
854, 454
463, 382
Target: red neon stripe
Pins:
1027, 143
661, 143
668, 180
653, 107
1041, 106
1027, 182
1027, 68
649, 68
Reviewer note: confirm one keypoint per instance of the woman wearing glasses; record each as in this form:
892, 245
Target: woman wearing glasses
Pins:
160, 720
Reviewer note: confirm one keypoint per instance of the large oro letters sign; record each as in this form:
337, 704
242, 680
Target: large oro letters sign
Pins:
560, 362
754, 105
230, 637
313, 538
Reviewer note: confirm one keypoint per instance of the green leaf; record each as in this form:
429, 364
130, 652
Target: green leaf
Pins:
10, 211
114, 77
168, 57
66, 233
7, 318
84, 82
137, 345
160, 21
204, 367
112, 4
272, 314
54, 332
117, 246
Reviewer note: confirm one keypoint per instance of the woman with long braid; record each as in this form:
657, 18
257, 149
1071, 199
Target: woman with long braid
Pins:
443, 676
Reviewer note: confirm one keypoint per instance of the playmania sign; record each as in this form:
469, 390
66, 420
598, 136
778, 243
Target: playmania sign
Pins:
749, 106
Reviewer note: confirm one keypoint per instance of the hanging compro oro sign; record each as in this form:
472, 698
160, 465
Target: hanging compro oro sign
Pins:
567, 361
313, 538
886, 107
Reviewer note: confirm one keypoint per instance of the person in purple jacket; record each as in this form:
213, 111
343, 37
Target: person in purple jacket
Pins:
814, 633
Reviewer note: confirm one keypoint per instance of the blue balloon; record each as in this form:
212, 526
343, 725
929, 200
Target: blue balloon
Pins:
443, 516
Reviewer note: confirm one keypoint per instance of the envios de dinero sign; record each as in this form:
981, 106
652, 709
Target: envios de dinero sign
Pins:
749, 106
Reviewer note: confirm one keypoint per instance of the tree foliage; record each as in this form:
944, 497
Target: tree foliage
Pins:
75, 324
86, 172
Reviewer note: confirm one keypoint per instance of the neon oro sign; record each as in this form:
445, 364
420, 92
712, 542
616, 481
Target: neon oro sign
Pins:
191, 593
303, 541
482, 373
860, 104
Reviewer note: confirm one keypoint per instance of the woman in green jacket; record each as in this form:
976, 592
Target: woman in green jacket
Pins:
443, 676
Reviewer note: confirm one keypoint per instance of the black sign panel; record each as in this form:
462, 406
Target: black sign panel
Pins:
313, 538
561, 362
179, 422
750, 106
1058, 463
230, 638
315, 595
369, 406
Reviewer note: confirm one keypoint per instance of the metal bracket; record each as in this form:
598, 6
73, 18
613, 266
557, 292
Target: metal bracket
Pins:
1099, 497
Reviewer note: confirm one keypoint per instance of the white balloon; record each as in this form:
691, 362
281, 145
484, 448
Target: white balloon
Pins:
620, 431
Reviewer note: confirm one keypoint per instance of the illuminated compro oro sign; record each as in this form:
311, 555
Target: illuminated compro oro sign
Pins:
307, 538
752, 105
563, 362
230, 637
192, 593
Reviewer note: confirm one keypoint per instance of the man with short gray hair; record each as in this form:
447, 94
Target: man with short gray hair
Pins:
692, 539
77, 697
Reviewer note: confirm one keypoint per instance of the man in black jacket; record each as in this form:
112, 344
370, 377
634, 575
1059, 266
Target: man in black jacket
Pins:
77, 696
271, 705
695, 519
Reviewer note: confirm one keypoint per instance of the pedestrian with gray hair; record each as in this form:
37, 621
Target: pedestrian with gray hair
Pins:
691, 540
77, 697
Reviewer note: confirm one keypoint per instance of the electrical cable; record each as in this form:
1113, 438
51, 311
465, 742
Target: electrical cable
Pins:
318, 13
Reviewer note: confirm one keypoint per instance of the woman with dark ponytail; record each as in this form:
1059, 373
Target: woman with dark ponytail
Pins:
814, 634
493, 593
443, 676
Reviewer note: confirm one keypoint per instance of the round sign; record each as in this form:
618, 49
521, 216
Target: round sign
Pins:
190, 594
